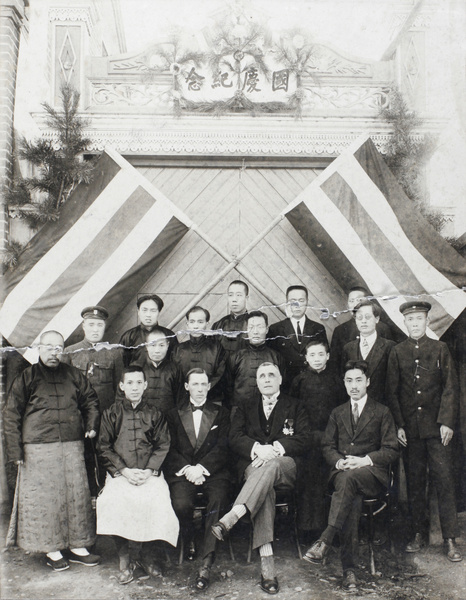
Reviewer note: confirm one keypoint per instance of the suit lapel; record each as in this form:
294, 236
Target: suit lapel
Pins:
375, 356
186, 417
346, 418
208, 417
291, 334
364, 418
279, 414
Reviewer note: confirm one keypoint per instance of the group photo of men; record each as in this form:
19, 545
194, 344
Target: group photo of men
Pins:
131, 438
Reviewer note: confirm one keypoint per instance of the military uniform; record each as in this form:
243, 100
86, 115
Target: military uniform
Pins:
422, 393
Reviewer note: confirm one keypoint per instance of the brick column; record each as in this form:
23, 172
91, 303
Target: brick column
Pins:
11, 16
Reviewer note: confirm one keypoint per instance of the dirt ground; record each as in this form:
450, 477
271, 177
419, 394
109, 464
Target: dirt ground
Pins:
425, 576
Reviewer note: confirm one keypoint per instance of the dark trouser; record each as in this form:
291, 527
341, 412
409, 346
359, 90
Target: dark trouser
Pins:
311, 488
433, 453
258, 494
345, 509
183, 496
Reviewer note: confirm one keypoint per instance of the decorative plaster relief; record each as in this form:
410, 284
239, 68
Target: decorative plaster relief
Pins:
72, 14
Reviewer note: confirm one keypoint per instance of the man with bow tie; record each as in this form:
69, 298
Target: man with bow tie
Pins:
198, 461
268, 433
359, 444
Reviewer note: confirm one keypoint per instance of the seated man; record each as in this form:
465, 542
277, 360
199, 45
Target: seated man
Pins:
359, 444
348, 332
371, 347
133, 340
198, 461
268, 433
234, 323
291, 336
242, 365
201, 351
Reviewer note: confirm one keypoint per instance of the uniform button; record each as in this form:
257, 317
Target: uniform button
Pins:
352, 443
417, 360
416, 346
419, 391
419, 407
417, 376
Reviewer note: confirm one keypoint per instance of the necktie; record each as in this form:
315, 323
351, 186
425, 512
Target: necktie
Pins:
268, 410
194, 408
365, 348
355, 414
299, 333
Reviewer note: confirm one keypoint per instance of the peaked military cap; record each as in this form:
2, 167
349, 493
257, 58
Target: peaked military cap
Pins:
94, 312
415, 306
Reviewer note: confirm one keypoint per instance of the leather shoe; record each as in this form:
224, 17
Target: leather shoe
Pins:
415, 544
317, 552
219, 531
151, 568
451, 548
89, 560
349, 580
269, 585
203, 579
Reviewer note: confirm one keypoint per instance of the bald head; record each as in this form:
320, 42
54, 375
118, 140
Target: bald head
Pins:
51, 345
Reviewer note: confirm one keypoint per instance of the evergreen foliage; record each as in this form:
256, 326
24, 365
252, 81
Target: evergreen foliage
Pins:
408, 152
59, 167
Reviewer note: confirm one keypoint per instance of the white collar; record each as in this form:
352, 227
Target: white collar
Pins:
272, 400
370, 339
301, 321
360, 404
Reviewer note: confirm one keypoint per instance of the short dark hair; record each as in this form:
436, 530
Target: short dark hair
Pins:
132, 369
297, 287
258, 314
156, 330
198, 308
239, 282
323, 343
377, 311
359, 288
157, 299
195, 371
356, 364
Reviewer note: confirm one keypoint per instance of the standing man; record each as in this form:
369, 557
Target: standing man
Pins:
96, 361
242, 365
198, 461
348, 332
359, 444
422, 391
50, 409
201, 351
149, 308
291, 336
102, 366
370, 347
268, 433
163, 376
234, 324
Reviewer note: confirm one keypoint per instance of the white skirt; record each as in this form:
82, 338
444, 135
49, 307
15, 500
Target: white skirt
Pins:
141, 513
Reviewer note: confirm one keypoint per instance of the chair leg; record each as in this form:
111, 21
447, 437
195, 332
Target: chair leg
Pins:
371, 539
296, 534
230, 547
181, 556
250, 545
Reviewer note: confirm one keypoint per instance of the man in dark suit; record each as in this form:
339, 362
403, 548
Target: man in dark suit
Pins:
291, 336
359, 444
370, 347
422, 392
198, 461
268, 434
348, 332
